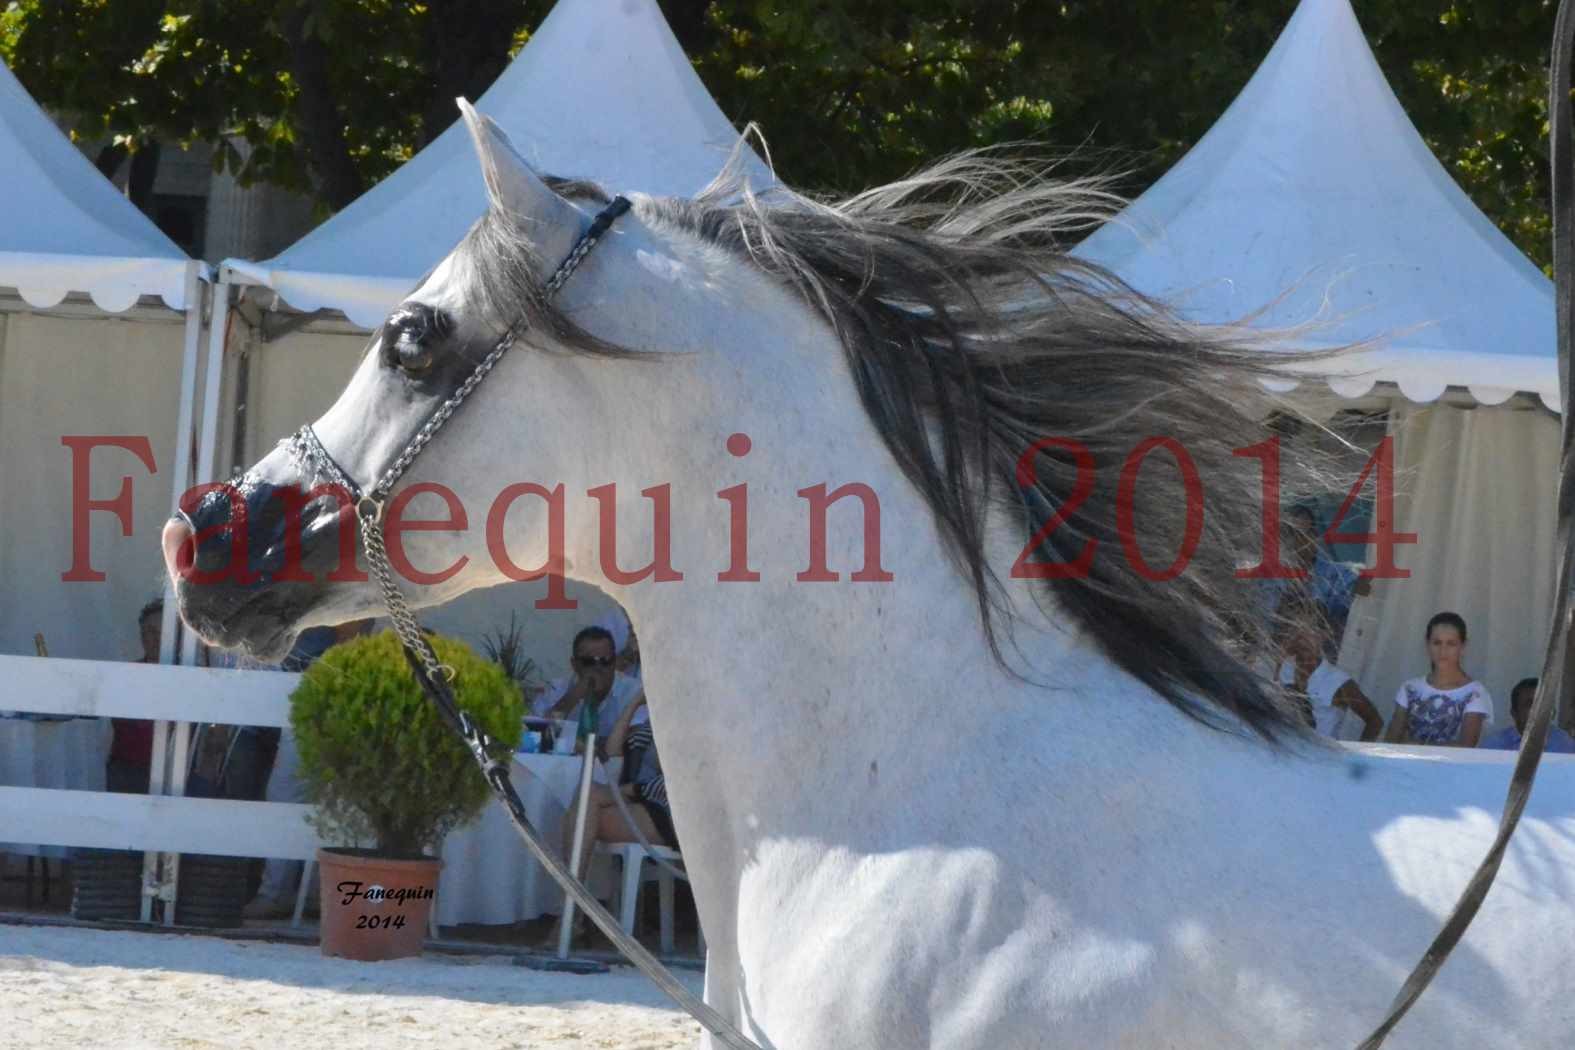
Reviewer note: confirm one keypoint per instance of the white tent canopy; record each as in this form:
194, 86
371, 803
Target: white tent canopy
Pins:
601, 91
66, 228
1314, 200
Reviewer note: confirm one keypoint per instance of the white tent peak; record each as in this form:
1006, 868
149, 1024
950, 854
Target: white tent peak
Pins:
67, 228
600, 91
1315, 200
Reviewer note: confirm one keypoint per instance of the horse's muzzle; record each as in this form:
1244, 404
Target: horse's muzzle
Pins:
248, 559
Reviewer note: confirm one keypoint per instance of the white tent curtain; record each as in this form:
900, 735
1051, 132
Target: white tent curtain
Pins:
73, 375
1477, 486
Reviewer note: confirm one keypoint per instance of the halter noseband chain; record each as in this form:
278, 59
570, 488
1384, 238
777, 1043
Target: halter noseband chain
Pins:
435, 676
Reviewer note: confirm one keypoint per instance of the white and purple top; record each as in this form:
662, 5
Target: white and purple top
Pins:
1435, 715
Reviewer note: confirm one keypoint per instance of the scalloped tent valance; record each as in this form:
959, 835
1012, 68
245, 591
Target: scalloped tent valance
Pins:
602, 91
1315, 201
66, 228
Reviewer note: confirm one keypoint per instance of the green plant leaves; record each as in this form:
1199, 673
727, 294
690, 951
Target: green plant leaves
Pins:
379, 765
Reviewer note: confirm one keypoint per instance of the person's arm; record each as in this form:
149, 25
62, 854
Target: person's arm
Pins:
1351, 697
569, 700
1471, 731
620, 729
1399, 731
1479, 711
1350, 588
1399, 727
1360, 586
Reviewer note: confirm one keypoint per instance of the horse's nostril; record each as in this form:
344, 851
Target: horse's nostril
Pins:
177, 534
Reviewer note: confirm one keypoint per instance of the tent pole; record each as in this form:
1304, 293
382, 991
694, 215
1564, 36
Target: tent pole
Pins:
170, 627
213, 379
184, 437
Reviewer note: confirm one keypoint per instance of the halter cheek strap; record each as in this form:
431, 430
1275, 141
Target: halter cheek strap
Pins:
309, 450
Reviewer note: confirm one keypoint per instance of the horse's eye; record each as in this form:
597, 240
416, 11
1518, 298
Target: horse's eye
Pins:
414, 331
413, 357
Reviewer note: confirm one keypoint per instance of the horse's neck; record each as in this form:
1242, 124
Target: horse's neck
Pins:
788, 681
761, 686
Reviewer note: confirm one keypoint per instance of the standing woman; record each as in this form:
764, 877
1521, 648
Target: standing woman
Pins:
1447, 708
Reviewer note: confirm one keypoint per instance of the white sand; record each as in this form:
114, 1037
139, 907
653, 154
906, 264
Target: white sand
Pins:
75, 988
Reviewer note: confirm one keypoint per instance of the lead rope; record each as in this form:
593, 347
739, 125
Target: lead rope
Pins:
435, 677
1559, 660
645, 843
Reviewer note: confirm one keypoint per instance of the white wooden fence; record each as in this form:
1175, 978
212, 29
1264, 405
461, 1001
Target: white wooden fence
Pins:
155, 823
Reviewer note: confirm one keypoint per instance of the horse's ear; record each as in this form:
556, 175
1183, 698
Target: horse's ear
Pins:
516, 190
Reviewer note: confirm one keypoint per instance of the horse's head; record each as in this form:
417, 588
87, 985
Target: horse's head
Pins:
931, 340
272, 552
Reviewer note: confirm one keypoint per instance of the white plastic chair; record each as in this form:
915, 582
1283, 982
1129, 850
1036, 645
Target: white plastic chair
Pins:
632, 855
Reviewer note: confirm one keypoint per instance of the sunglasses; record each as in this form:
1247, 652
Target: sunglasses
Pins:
594, 661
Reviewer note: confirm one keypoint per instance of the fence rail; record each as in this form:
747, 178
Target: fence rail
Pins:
150, 823
156, 823
113, 689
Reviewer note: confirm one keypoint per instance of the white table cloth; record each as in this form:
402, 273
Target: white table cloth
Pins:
489, 876
68, 755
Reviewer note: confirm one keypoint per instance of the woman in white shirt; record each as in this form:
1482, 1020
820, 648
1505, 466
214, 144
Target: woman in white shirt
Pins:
1448, 707
1335, 703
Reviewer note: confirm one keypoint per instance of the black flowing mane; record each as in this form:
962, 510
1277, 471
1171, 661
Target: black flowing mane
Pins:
972, 333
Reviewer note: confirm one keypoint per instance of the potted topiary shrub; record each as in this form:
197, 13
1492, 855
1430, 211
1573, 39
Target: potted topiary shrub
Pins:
389, 780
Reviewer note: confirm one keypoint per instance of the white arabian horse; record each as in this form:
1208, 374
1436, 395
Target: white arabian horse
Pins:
929, 803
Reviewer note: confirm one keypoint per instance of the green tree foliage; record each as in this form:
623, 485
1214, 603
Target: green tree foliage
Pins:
378, 763
331, 95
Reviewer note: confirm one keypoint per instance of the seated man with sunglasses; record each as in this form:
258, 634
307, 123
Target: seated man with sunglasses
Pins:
595, 678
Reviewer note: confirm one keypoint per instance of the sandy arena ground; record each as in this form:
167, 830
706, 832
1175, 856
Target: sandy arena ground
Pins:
74, 989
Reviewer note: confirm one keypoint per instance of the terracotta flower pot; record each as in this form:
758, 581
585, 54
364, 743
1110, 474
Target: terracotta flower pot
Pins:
374, 908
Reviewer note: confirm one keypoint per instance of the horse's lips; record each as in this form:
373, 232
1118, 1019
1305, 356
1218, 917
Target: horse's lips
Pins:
233, 628
274, 649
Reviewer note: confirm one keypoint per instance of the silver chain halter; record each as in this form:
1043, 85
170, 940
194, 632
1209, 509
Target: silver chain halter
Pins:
436, 676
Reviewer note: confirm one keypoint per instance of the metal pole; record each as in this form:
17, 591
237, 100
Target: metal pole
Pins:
150, 861
207, 445
213, 379
185, 437
566, 930
170, 633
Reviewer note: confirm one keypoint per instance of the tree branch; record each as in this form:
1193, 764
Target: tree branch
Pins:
467, 46
109, 159
322, 126
687, 19
144, 169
